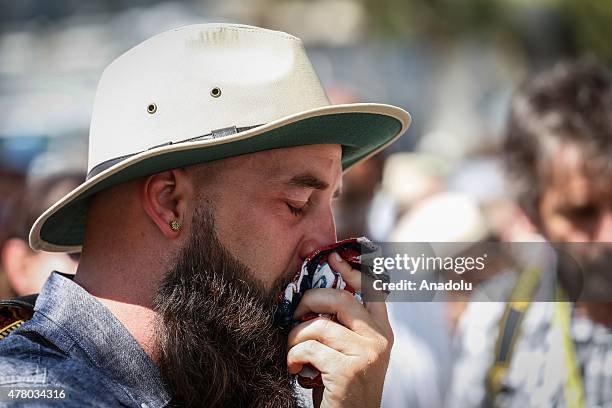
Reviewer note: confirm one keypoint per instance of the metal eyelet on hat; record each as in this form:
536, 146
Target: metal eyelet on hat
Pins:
215, 92
152, 108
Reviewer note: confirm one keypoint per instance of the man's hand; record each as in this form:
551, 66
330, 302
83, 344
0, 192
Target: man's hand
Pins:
351, 354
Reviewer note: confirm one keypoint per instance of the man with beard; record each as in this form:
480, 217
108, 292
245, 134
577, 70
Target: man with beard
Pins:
214, 156
553, 353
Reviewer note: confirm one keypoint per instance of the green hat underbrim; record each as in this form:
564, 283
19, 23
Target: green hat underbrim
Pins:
360, 134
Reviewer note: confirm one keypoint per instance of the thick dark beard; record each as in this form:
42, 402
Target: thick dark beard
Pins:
216, 341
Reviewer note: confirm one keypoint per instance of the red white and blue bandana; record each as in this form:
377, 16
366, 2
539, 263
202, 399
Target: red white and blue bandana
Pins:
316, 273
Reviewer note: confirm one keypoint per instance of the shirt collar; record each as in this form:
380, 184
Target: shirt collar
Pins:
107, 343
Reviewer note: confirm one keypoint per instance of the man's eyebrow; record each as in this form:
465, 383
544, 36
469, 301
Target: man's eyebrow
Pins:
308, 180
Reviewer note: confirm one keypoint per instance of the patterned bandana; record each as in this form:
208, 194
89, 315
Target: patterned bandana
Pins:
316, 273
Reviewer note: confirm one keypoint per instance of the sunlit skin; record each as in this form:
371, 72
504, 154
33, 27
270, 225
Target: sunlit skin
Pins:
271, 210
577, 207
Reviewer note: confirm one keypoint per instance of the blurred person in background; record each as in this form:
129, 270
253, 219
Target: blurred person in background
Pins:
558, 151
425, 327
407, 179
453, 223
26, 270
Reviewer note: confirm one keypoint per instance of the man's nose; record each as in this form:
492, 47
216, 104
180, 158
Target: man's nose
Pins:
320, 232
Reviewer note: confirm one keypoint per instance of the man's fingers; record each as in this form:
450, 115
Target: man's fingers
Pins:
341, 303
361, 282
378, 310
320, 356
350, 275
324, 331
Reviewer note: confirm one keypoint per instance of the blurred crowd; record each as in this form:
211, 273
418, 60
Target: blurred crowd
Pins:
448, 180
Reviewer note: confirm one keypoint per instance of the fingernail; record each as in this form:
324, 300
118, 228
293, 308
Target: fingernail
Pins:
338, 257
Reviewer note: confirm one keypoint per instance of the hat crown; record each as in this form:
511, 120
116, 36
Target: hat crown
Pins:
189, 81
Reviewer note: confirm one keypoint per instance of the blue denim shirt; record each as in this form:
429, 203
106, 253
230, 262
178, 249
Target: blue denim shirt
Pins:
75, 343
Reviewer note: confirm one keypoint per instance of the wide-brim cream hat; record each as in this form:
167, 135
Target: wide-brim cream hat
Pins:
207, 92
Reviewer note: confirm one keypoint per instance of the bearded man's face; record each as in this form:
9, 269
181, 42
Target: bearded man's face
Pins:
255, 219
217, 344
576, 214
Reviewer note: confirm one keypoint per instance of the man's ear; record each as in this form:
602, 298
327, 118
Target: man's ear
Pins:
14, 254
164, 197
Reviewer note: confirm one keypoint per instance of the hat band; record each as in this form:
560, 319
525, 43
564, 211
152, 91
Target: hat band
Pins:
215, 134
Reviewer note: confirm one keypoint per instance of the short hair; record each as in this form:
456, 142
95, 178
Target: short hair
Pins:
570, 103
35, 199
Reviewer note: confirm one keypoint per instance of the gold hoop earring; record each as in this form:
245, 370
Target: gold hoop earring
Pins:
175, 225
